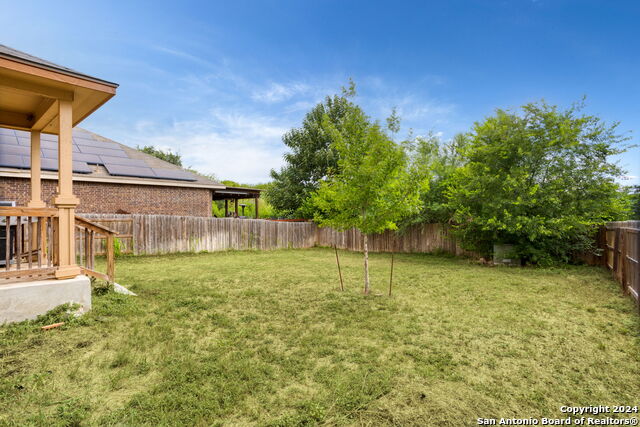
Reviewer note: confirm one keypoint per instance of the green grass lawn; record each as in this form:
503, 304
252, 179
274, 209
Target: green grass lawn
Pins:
266, 338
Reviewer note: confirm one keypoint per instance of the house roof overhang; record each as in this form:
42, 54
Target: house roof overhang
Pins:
31, 88
117, 180
230, 193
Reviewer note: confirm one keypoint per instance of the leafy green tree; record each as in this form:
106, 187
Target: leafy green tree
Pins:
374, 185
440, 161
541, 180
167, 156
217, 210
312, 156
635, 202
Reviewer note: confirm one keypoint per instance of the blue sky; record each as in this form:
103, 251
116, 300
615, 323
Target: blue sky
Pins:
220, 82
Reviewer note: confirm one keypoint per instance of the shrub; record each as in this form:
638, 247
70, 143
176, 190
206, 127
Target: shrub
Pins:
541, 180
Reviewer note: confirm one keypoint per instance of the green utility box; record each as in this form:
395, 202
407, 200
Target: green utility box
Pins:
504, 254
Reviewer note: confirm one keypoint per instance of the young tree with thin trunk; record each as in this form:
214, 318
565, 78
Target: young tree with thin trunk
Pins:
377, 182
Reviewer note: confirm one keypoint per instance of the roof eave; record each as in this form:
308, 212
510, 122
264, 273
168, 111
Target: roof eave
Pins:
24, 174
58, 70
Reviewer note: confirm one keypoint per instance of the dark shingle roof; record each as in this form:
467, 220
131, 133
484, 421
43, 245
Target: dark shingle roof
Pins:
8, 52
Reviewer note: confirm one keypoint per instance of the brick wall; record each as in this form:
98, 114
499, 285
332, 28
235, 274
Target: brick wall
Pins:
97, 197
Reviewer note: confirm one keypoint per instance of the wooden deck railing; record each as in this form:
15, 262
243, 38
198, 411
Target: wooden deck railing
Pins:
28, 249
88, 233
27, 244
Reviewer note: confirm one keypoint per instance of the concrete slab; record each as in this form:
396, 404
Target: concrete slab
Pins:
27, 300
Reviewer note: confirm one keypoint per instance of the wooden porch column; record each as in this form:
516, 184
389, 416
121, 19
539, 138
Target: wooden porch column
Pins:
226, 208
36, 186
65, 201
256, 201
236, 201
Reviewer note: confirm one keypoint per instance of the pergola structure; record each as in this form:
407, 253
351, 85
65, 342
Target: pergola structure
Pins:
235, 194
44, 98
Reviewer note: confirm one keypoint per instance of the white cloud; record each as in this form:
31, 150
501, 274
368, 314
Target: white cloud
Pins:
410, 108
230, 145
278, 92
300, 106
185, 55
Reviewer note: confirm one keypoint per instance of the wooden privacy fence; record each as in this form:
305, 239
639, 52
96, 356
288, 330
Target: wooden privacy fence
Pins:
620, 242
158, 234
423, 238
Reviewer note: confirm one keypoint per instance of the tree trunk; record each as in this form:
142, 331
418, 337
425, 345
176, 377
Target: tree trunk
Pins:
366, 265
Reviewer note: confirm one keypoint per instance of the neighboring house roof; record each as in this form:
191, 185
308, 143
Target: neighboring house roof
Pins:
16, 55
95, 158
236, 193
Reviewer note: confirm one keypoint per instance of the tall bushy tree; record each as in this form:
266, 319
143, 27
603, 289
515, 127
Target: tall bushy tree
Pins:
374, 185
440, 161
542, 180
311, 156
635, 202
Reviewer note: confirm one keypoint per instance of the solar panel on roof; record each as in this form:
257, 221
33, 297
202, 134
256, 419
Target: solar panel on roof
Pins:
8, 139
52, 165
49, 154
119, 170
14, 149
53, 154
49, 164
81, 167
12, 161
174, 174
95, 143
50, 145
103, 151
122, 161
89, 158
87, 150
43, 136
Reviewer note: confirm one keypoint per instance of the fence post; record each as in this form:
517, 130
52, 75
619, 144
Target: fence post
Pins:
619, 260
616, 257
623, 263
602, 244
111, 263
635, 281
